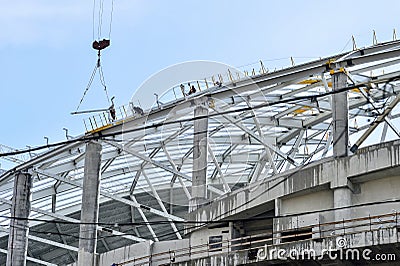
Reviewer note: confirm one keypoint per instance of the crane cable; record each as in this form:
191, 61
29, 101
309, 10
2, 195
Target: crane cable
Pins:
99, 45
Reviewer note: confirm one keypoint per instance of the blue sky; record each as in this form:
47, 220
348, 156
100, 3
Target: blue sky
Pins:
47, 59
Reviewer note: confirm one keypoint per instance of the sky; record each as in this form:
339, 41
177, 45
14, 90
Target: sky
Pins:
46, 57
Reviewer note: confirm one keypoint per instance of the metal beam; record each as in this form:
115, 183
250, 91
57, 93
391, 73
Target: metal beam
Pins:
375, 124
295, 147
105, 244
175, 168
266, 145
48, 155
385, 118
139, 172
326, 115
134, 221
73, 256
109, 195
145, 219
32, 259
72, 220
43, 240
227, 189
148, 160
160, 202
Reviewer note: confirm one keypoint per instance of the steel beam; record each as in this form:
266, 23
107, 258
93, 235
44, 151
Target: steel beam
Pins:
227, 189
144, 219
148, 160
44, 241
41, 262
160, 202
111, 196
187, 193
375, 124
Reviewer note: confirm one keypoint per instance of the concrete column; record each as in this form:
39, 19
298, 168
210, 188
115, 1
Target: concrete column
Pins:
90, 205
342, 198
340, 109
199, 177
276, 222
20, 208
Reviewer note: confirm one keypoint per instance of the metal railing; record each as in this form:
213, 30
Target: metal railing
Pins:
104, 119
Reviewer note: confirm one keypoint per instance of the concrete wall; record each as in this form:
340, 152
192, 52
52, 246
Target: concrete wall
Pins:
378, 190
166, 252
314, 201
158, 253
199, 240
123, 254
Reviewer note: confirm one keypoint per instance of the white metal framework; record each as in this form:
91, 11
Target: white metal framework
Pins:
259, 125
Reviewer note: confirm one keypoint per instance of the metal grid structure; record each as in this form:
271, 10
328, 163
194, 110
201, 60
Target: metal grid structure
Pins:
258, 126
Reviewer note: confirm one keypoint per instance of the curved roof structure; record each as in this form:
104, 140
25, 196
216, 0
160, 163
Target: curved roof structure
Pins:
260, 124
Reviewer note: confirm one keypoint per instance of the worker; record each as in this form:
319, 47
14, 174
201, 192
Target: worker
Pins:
183, 90
138, 110
111, 109
192, 90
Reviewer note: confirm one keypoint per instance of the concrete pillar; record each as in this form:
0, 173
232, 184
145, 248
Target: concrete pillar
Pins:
199, 176
342, 198
276, 223
20, 208
90, 205
340, 109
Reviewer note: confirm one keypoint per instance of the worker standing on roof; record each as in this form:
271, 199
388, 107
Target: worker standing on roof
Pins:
138, 110
183, 90
192, 90
111, 109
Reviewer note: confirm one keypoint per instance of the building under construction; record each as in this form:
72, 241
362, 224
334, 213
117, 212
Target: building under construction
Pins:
292, 166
